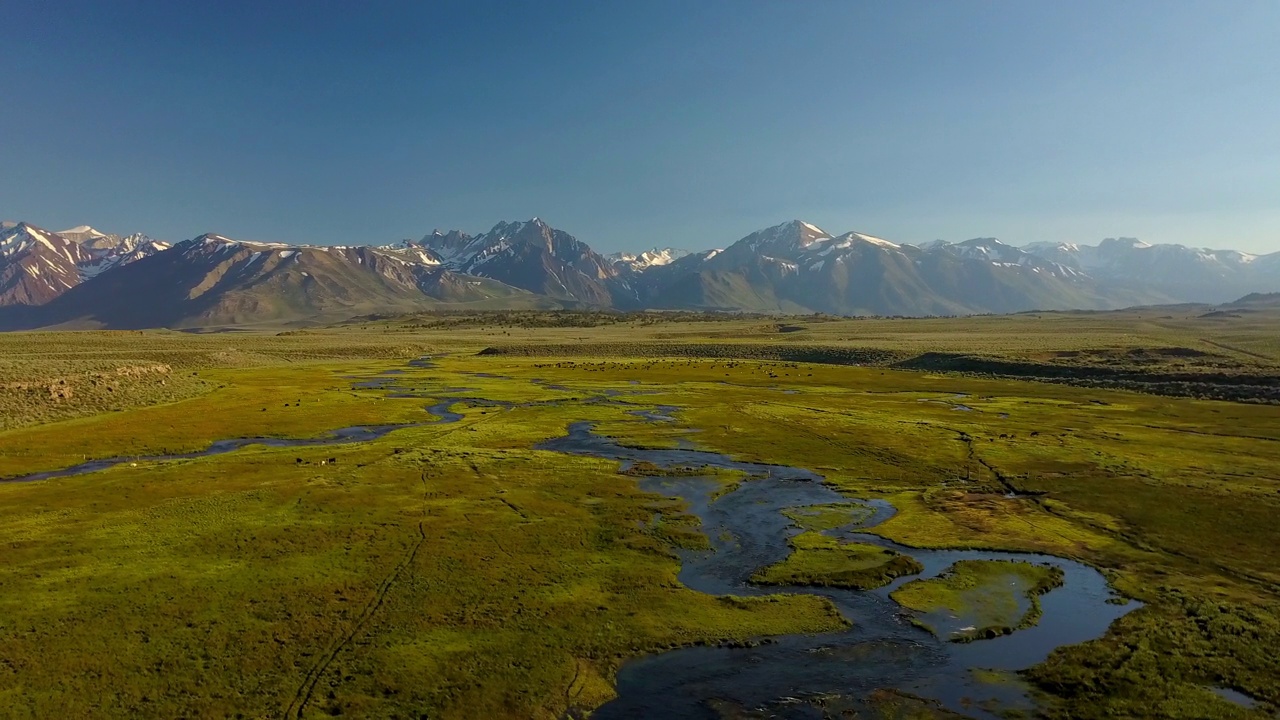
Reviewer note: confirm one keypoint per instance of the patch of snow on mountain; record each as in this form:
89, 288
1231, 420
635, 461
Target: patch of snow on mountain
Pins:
875, 240
83, 232
648, 258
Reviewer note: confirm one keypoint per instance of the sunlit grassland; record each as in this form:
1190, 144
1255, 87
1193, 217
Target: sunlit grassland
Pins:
1170, 497
1247, 338
46, 376
1092, 451
269, 401
506, 581
453, 570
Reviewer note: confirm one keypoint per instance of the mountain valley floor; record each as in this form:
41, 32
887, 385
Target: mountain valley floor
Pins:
449, 568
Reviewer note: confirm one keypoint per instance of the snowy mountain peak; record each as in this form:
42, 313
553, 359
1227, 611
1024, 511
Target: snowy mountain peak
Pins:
80, 233
37, 265
1124, 242
1177, 271
849, 238
648, 258
986, 242
107, 252
25, 236
1050, 246
807, 232
213, 239
987, 248
135, 239
780, 240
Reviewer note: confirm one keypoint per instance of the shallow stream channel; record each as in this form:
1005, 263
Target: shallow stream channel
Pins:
794, 676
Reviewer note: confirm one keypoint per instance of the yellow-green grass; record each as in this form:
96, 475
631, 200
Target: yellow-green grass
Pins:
817, 559
1084, 338
990, 597
466, 574
1149, 524
46, 377
829, 516
1174, 499
866, 430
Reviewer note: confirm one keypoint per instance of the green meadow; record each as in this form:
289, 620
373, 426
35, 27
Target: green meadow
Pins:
456, 571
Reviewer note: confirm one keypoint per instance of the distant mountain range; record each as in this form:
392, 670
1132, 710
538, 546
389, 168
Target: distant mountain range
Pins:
82, 277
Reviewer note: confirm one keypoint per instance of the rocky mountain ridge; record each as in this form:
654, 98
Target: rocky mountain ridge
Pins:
85, 277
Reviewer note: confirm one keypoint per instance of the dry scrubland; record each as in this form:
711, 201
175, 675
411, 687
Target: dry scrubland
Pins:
50, 376
453, 571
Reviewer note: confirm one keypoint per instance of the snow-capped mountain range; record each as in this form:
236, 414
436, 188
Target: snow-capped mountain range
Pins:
37, 265
88, 277
1186, 273
648, 258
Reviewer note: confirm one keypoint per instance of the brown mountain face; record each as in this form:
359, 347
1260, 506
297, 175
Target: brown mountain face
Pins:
36, 265
213, 280
539, 258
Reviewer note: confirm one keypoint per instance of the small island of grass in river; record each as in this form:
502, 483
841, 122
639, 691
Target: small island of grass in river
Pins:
829, 516
817, 559
978, 599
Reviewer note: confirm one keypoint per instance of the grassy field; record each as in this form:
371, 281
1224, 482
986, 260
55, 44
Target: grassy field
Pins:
455, 571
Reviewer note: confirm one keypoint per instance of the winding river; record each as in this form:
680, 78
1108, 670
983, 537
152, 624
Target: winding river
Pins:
882, 650
785, 676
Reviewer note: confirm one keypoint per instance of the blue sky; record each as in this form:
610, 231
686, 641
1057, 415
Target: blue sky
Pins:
686, 123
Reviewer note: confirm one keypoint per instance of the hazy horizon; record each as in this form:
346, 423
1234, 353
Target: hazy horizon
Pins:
660, 125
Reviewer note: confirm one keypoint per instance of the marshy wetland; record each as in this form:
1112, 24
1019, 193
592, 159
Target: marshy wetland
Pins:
310, 524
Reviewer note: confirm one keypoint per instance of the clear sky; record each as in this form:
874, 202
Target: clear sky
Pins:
633, 124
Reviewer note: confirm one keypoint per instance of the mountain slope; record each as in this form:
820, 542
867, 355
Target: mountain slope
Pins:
36, 265
539, 258
213, 280
1183, 273
1255, 301
108, 251
797, 266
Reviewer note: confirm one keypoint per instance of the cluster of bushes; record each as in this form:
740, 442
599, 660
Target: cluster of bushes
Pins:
1215, 385
532, 319
1164, 657
821, 354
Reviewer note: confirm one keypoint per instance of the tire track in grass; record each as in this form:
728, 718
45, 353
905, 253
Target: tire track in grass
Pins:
303, 696
1242, 351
